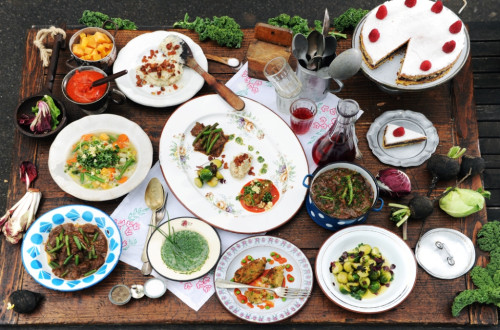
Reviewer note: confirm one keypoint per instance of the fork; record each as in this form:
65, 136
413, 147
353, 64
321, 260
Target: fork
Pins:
292, 293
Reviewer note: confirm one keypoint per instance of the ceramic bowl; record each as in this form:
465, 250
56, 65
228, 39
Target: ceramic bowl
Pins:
331, 223
24, 108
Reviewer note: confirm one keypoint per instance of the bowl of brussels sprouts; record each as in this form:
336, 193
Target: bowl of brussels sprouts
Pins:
366, 269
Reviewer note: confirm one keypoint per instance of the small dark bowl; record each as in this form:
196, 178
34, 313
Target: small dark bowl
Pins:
331, 223
25, 108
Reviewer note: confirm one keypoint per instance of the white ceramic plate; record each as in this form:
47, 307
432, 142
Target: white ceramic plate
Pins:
33, 249
412, 155
257, 127
386, 73
61, 148
258, 247
185, 223
129, 58
393, 249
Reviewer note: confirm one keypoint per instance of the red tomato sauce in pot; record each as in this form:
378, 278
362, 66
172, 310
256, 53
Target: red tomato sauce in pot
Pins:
79, 87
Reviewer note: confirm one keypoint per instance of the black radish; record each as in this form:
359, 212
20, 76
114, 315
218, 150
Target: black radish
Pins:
444, 167
473, 164
24, 301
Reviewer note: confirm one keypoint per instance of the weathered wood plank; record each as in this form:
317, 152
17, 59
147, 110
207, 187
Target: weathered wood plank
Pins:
487, 96
493, 213
485, 48
488, 112
486, 64
486, 80
466, 136
492, 178
489, 129
484, 31
489, 146
492, 161
494, 200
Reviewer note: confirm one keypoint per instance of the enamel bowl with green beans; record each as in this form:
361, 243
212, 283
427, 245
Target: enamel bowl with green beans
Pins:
362, 272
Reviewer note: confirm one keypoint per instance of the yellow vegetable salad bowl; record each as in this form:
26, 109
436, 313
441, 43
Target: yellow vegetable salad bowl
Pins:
93, 46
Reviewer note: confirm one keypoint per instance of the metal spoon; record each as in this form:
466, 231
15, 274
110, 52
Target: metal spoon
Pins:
346, 64
299, 48
316, 47
154, 197
228, 95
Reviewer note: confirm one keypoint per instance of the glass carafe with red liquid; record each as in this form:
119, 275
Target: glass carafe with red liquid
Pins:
338, 142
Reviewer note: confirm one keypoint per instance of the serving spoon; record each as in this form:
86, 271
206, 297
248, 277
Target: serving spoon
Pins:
154, 197
229, 61
228, 95
108, 78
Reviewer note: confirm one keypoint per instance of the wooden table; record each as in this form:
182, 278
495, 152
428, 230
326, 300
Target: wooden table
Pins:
450, 107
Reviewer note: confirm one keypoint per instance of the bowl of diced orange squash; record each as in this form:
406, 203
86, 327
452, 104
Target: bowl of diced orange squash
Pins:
93, 46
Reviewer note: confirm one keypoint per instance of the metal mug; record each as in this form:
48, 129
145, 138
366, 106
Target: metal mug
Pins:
315, 84
99, 105
105, 63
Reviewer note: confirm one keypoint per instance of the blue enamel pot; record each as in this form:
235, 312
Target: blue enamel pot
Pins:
329, 222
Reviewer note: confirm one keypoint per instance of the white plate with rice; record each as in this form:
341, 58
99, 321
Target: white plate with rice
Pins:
131, 57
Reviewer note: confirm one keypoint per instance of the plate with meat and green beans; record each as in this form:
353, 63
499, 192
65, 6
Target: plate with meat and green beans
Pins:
71, 248
239, 171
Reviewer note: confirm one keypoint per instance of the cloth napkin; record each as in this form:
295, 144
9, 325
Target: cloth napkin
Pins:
133, 216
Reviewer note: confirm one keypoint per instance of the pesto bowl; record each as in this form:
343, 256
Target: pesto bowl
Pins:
175, 226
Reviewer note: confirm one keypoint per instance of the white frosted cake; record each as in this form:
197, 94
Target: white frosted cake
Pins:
433, 35
398, 136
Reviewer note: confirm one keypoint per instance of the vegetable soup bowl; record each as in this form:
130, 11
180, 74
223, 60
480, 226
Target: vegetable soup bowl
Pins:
330, 222
62, 149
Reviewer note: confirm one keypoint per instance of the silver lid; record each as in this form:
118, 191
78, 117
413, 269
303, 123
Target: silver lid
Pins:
445, 253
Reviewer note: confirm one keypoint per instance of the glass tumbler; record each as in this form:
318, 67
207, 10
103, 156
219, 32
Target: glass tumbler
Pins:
285, 82
302, 112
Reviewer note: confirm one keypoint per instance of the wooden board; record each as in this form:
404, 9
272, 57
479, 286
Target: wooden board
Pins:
450, 107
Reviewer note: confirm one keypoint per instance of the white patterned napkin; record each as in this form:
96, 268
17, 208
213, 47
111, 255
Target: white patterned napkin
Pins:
133, 216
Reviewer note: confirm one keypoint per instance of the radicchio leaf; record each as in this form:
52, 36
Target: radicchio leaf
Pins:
41, 124
393, 182
27, 173
25, 119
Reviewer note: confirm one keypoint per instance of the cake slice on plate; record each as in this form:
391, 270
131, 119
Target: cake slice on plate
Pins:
398, 136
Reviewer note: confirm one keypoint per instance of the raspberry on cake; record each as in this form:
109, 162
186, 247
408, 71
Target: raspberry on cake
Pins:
426, 32
398, 136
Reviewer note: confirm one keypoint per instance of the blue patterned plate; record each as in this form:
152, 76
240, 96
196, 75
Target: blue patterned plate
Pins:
35, 259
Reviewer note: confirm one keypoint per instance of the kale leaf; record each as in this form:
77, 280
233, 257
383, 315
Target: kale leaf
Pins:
96, 19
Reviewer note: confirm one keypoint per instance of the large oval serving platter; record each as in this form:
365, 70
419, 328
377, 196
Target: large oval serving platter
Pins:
35, 259
386, 74
258, 247
257, 131
129, 58
107, 123
393, 249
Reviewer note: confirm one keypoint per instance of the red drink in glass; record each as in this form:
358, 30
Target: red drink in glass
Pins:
302, 113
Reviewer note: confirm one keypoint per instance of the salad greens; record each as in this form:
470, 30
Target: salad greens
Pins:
486, 279
95, 18
224, 30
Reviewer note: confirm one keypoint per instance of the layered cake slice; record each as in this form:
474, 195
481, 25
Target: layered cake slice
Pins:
398, 136
430, 35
